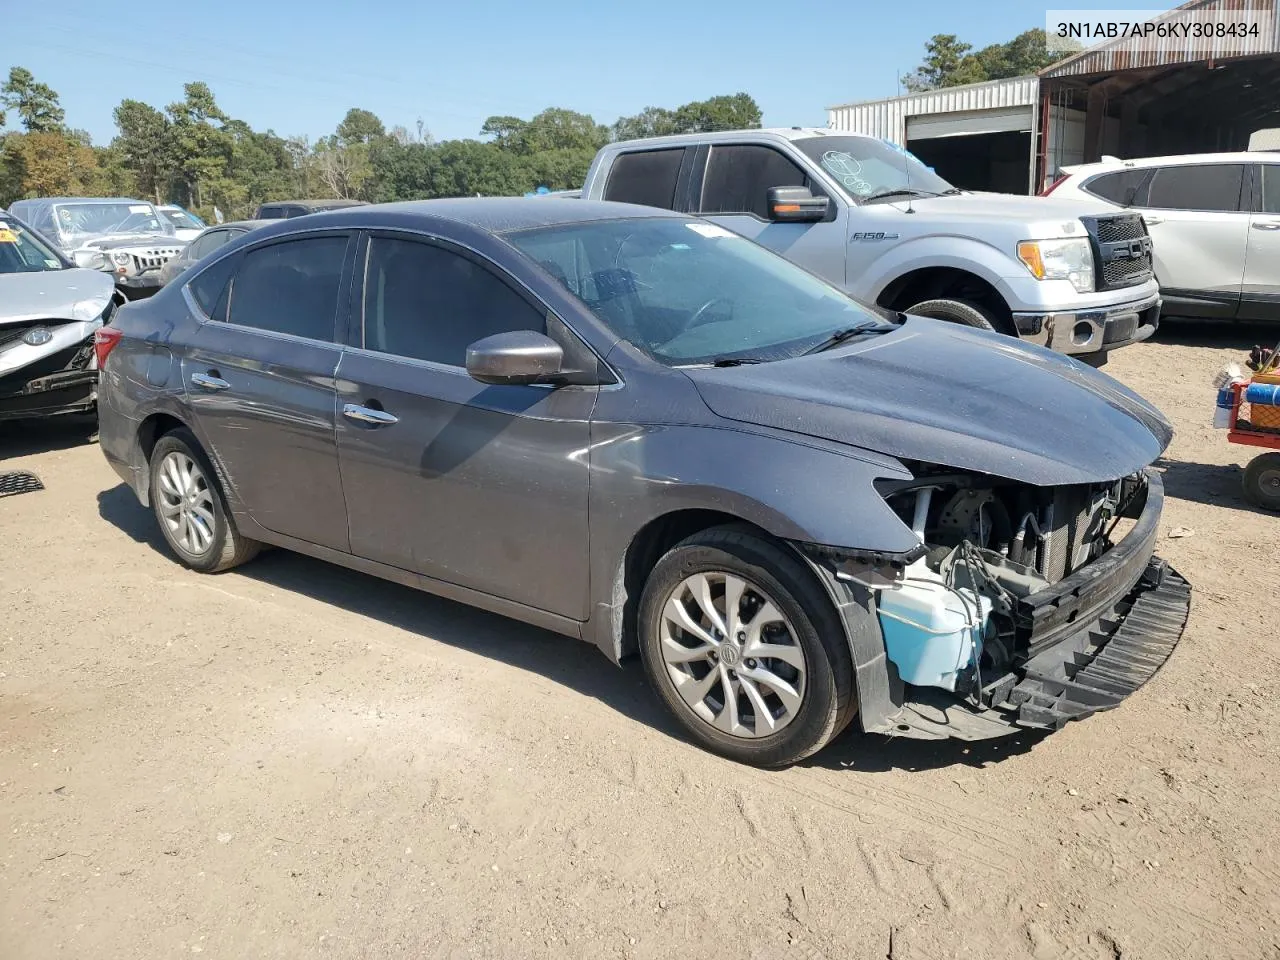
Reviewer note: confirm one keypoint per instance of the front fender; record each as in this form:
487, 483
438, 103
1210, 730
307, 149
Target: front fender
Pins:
984, 260
789, 488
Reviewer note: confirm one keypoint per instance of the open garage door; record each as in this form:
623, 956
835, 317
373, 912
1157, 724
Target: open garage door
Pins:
977, 149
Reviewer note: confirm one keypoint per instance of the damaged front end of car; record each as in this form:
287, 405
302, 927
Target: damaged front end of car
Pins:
1022, 607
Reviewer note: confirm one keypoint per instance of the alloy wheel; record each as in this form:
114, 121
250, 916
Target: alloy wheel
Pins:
731, 655
186, 504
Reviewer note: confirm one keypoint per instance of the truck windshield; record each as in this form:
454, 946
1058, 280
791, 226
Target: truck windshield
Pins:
866, 168
690, 293
21, 251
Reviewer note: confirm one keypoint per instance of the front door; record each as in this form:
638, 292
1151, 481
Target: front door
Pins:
480, 486
734, 193
1260, 295
259, 377
1199, 230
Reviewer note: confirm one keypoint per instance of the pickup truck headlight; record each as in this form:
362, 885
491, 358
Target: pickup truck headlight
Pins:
1068, 259
120, 259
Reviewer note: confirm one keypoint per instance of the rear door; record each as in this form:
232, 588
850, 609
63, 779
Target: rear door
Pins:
260, 380
1260, 295
480, 486
734, 193
1199, 228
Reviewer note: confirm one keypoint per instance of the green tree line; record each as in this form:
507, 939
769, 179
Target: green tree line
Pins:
193, 153
950, 62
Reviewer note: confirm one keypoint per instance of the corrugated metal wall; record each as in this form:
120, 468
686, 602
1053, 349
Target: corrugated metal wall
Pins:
1131, 53
887, 119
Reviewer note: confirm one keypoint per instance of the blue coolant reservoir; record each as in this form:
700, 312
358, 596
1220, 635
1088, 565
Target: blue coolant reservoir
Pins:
932, 632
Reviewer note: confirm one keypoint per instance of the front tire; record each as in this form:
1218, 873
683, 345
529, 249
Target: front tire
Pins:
745, 648
963, 312
190, 508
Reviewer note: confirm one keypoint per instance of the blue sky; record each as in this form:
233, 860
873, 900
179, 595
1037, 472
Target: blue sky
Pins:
297, 67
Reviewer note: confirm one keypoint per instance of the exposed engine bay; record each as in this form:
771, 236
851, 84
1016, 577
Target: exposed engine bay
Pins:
952, 619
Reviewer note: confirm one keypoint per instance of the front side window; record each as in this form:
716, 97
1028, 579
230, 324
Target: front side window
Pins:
689, 292
183, 220
1210, 187
868, 169
647, 178
426, 302
739, 177
22, 251
290, 287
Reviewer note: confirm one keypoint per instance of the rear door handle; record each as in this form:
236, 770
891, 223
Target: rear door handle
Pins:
1266, 225
207, 381
368, 415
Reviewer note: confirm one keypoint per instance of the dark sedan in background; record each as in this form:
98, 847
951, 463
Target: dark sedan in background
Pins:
204, 244
643, 430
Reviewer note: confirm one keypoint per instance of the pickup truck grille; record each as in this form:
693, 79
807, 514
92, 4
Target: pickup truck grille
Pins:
153, 259
1121, 250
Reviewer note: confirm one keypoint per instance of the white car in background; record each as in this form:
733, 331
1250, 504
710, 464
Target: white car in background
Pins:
1214, 220
186, 225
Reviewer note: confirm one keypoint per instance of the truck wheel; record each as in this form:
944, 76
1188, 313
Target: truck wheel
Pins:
956, 311
745, 648
1262, 481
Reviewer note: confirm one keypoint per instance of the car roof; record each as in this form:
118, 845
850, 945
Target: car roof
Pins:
491, 214
248, 224
783, 133
314, 204
1182, 159
66, 200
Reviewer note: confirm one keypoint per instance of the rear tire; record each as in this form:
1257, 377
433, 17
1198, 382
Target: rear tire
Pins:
776, 684
963, 312
1262, 481
190, 507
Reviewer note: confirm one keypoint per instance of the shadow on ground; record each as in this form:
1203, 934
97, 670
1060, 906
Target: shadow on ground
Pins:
23, 438
569, 662
1216, 484
1223, 333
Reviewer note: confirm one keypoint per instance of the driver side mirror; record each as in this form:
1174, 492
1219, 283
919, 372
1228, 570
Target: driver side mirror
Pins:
515, 357
796, 205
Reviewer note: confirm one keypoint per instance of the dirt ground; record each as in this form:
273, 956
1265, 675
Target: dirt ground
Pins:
293, 760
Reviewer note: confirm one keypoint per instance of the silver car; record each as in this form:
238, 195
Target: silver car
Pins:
49, 311
1214, 219
129, 239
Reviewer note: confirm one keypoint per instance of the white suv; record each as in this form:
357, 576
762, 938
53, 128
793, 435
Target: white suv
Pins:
1214, 219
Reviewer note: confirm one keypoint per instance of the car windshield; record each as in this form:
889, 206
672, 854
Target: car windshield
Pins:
866, 168
183, 220
692, 292
84, 220
22, 251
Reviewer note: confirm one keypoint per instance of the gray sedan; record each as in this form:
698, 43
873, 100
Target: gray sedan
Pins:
204, 244
639, 429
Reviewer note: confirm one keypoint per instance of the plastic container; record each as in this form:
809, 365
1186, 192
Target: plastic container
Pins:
1222, 411
932, 633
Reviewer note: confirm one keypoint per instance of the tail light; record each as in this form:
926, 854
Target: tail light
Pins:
1058, 181
104, 341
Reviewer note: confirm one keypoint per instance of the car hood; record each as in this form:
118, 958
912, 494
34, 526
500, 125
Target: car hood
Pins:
1008, 206
951, 396
54, 295
115, 241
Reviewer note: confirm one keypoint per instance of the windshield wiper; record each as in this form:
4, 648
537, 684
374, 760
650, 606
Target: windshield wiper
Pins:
841, 336
899, 192
737, 361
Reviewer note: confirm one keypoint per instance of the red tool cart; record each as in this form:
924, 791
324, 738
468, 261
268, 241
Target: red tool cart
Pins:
1258, 425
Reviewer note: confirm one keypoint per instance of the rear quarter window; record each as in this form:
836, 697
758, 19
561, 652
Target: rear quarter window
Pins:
1125, 187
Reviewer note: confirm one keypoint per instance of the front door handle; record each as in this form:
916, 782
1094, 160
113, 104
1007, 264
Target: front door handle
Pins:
1266, 225
207, 381
368, 415
1146, 218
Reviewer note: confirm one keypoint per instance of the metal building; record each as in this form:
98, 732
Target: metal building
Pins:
1128, 97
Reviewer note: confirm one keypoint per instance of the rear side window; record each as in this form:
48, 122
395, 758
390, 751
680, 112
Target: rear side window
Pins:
206, 287
739, 177
1208, 187
426, 302
269, 212
1124, 187
290, 287
1270, 187
647, 178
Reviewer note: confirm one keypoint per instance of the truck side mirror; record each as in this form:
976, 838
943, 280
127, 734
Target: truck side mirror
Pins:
796, 205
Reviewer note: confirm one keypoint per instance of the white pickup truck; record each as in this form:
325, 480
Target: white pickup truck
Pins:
1075, 276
